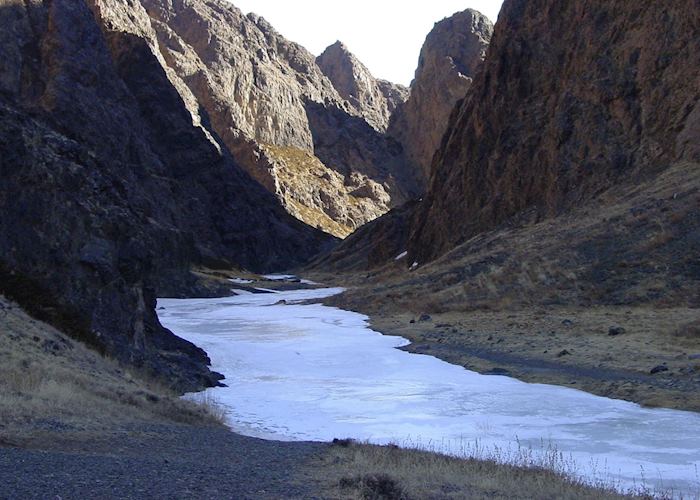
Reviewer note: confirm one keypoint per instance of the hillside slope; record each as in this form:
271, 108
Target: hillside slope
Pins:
559, 240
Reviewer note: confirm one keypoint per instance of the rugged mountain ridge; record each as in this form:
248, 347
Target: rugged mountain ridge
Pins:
448, 62
603, 95
263, 95
373, 99
113, 186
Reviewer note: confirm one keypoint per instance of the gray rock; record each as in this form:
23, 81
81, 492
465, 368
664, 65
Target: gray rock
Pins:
371, 98
615, 330
449, 59
284, 121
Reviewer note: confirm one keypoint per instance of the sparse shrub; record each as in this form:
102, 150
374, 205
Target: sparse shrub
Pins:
689, 330
345, 443
375, 487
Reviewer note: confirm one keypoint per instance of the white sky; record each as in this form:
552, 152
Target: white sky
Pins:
386, 35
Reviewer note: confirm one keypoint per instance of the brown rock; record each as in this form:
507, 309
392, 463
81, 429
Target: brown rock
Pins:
261, 93
572, 99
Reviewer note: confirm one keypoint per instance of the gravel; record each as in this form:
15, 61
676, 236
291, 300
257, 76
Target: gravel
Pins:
165, 461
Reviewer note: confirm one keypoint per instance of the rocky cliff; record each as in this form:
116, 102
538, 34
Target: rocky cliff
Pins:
261, 93
573, 98
448, 61
568, 175
114, 184
374, 100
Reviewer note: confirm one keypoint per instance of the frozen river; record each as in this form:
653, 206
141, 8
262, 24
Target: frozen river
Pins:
311, 372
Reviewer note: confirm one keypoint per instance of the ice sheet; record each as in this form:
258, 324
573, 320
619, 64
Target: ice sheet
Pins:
310, 372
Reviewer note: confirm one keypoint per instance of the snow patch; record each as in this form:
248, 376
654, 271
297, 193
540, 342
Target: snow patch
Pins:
279, 277
240, 281
401, 255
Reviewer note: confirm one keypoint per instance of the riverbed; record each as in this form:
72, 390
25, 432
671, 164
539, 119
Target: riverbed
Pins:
299, 371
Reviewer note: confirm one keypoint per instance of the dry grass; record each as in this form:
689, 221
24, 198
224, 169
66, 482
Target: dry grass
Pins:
50, 383
634, 245
309, 188
362, 471
317, 218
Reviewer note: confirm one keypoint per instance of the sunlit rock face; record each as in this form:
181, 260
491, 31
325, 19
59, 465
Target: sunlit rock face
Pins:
449, 60
262, 94
375, 100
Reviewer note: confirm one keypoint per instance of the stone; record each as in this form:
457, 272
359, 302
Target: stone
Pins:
114, 184
296, 131
658, 369
425, 317
615, 330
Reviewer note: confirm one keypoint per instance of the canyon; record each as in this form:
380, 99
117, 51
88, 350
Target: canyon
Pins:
529, 206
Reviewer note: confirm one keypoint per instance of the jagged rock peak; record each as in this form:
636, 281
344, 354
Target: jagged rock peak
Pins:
374, 99
448, 61
461, 38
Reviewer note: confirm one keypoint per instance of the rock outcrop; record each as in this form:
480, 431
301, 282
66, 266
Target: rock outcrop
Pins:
449, 59
573, 98
257, 91
114, 184
374, 100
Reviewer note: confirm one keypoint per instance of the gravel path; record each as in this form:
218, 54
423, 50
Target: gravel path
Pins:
163, 462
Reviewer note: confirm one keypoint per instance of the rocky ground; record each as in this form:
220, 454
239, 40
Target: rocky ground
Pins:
158, 461
648, 356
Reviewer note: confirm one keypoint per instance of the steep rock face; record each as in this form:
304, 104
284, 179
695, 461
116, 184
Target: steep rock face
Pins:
572, 98
112, 188
250, 80
256, 89
449, 59
373, 99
